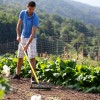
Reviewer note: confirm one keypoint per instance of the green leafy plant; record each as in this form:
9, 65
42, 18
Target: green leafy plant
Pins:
4, 87
53, 69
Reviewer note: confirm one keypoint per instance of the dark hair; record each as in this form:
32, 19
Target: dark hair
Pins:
31, 4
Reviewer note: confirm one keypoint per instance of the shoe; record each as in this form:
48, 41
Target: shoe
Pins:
16, 77
33, 80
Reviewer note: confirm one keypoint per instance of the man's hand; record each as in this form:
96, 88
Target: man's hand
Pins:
18, 39
25, 48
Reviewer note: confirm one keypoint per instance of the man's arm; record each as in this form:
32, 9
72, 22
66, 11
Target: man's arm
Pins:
18, 29
34, 29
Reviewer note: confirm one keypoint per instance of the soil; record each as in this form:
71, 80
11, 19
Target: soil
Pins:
21, 91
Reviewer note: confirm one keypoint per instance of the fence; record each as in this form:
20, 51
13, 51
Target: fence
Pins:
58, 46
47, 45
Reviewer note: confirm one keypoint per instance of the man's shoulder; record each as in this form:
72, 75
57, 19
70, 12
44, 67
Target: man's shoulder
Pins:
23, 11
35, 14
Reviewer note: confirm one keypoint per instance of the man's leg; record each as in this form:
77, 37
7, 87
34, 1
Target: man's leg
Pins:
18, 69
19, 64
20, 59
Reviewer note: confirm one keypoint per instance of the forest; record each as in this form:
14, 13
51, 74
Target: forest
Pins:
75, 33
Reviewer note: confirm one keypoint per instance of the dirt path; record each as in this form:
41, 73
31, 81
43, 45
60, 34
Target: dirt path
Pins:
22, 91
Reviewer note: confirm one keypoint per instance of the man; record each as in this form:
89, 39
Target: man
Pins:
29, 19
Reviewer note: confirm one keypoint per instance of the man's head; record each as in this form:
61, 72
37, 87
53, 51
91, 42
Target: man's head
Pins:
31, 7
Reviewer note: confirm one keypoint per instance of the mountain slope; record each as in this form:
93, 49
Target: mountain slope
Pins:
66, 8
71, 9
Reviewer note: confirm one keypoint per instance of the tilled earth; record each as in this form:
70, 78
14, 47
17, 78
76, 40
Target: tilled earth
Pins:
21, 91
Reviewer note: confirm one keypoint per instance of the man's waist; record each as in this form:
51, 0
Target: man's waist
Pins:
27, 35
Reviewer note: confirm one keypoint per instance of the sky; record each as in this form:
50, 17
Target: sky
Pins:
95, 3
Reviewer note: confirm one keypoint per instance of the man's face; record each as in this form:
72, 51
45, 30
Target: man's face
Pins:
30, 10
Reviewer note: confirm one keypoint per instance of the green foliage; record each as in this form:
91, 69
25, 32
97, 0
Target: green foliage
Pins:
11, 61
64, 8
55, 71
60, 72
4, 87
68, 73
8, 20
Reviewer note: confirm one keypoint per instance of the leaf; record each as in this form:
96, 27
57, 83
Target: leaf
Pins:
58, 59
56, 75
64, 74
47, 70
92, 89
43, 66
1, 94
68, 70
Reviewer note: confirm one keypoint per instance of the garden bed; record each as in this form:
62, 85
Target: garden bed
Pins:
21, 91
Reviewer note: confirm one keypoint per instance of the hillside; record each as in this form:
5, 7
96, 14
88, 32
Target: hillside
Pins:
77, 34
65, 8
71, 9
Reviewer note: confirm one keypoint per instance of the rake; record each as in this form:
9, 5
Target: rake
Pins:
38, 85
